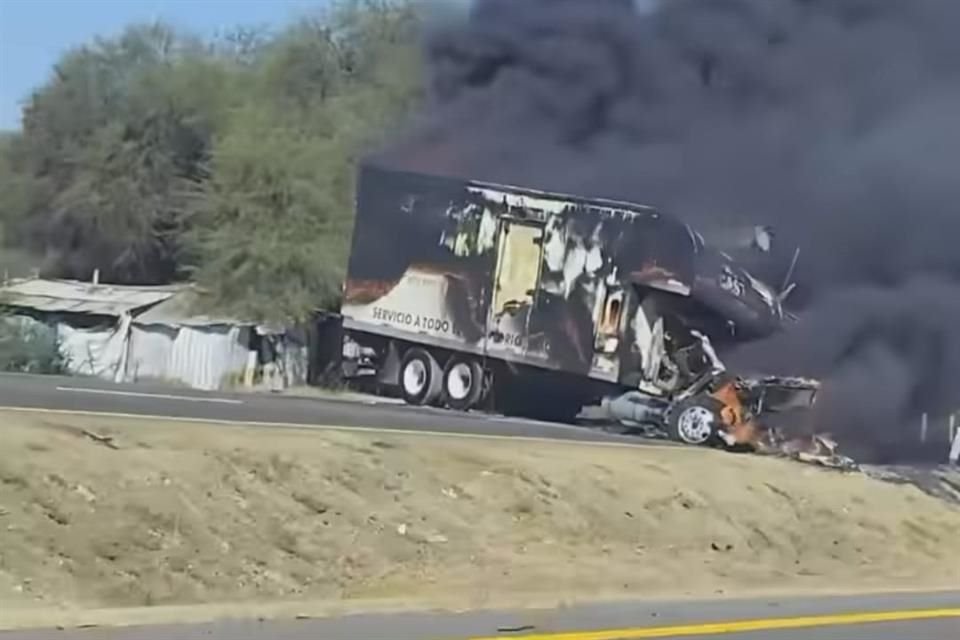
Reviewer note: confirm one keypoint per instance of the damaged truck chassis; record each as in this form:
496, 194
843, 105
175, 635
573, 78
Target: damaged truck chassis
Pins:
471, 295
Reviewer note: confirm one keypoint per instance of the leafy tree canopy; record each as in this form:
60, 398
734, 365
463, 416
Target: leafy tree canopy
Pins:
156, 157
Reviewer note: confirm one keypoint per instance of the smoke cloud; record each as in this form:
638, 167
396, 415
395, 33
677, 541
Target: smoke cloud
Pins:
837, 122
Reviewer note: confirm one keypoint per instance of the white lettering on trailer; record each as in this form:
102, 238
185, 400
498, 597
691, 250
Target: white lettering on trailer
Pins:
414, 321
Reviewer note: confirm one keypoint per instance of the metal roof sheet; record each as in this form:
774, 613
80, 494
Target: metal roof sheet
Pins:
180, 310
72, 296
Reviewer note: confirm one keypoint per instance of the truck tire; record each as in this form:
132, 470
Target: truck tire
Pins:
420, 377
463, 383
695, 421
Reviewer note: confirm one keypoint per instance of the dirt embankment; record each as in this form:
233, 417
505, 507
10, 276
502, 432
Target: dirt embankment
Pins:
173, 513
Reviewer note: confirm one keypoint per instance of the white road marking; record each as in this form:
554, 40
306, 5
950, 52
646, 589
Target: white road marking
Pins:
490, 417
399, 431
156, 396
529, 422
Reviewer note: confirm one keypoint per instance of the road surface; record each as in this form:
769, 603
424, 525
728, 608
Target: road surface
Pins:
934, 616
54, 393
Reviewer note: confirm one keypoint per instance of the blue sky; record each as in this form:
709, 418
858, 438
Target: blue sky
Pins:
33, 33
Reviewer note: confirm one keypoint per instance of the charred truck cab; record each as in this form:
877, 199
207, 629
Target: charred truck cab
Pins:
480, 296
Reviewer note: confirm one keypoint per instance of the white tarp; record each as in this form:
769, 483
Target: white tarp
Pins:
179, 350
294, 356
96, 351
200, 357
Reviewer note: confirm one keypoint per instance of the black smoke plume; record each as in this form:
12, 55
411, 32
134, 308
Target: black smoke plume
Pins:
837, 122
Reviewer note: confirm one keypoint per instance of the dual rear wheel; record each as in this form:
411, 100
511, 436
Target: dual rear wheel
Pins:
463, 383
459, 384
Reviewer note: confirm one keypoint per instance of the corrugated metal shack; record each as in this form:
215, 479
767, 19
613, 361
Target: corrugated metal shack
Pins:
171, 341
129, 333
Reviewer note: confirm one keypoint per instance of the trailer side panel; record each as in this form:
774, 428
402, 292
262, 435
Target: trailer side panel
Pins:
541, 279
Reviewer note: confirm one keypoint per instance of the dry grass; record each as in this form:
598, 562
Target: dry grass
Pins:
176, 513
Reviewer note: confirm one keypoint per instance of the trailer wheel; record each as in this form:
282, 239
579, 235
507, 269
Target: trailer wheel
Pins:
462, 383
420, 377
696, 420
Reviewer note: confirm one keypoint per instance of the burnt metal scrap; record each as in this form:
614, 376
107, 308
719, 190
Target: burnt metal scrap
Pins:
692, 396
688, 391
735, 412
741, 401
819, 449
698, 400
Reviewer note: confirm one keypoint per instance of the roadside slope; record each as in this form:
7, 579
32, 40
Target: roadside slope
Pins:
163, 513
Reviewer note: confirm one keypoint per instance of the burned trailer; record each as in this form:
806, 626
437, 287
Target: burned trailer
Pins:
474, 295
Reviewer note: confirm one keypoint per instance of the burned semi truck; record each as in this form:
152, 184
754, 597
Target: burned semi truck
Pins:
473, 295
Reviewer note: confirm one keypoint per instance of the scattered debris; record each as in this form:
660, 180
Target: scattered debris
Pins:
105, 440
941, 482
518, 629
818, 449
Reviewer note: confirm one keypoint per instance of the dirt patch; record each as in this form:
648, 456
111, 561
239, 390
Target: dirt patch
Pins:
98, 512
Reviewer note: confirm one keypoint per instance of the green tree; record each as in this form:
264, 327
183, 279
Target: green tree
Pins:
111, 145
154, 156
17, 189
271, 232
271, 236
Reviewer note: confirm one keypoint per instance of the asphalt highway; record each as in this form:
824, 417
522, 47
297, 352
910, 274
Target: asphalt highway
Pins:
934, 616
54, 393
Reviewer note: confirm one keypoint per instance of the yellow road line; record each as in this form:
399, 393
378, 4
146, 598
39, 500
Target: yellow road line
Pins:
740, 626
332, 427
